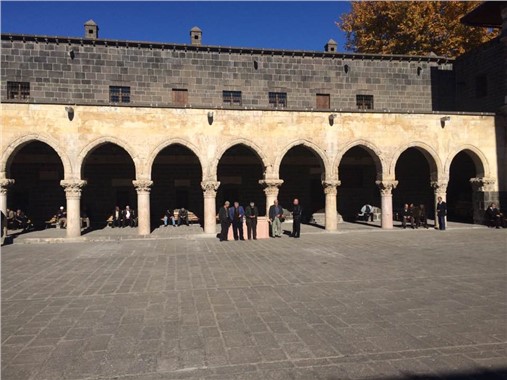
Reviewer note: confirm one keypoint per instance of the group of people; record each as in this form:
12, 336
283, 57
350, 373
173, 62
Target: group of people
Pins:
415, 215
17, 220
494, 218
182, 217
123, 218
236, 214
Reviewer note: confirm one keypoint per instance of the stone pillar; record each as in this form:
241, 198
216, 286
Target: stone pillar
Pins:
73, 190
4, 185
271, 189
440, 190
330, 189
483, 195
386, 196
143, 205
209, 189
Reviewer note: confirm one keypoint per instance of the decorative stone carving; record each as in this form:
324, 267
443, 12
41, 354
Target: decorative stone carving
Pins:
440, 186
142, 185
210, 188
482, 184
5, 184
271, 186
73, 188
386, 187
330, 187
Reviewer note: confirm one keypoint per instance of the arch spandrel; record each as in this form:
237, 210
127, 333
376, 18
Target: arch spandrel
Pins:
109, 140
19, 143
372, 149
213, 167
148, 167
434, 162
480, 161
312, 147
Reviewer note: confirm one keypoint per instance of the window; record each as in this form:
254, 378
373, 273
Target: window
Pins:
232, 98
119, 94
18, 90
278, 99
323, 101
180, 97
481, 86
364, 102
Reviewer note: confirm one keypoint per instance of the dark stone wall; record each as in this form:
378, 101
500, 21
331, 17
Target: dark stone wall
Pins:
397, 83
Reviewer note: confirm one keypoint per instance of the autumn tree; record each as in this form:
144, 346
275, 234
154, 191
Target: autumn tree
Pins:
411, 27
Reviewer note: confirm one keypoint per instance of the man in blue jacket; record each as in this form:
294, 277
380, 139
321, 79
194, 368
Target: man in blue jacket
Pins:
236, 214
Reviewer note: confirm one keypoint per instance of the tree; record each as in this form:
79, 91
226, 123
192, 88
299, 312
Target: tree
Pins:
411, 27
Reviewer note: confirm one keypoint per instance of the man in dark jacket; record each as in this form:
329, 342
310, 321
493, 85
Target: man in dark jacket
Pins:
493, 216
182, 216
251, 215
297, 213
225, 223
407, 216
441, 213
275, 218
129, 217
236, 215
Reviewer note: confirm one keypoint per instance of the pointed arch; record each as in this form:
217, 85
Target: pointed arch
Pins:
308, 144
479, 159
176, 141
434, 162
373, 151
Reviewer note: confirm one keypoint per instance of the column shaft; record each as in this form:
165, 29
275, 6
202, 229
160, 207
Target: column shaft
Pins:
210, 211
143, 205
4, 185
386, 197
331, 222
73, 195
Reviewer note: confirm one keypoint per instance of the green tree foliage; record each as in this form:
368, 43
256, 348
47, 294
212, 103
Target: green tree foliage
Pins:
411, 27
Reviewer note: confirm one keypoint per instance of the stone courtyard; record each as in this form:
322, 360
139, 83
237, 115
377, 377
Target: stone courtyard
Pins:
362, 303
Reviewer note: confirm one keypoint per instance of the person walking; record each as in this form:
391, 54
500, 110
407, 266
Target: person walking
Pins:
297, 213
225, 223
251, 214
275, 218
441, 213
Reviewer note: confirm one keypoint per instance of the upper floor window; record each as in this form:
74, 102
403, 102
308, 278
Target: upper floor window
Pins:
481, 86
232, 98
323, 101
180, 97
118, 94
364, 102
278, 99
18, 90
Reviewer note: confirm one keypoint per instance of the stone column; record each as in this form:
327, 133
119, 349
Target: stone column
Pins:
4, 185
271, 189
73, 190
386, 196
330, 189
209, 189
143, 205
440, 190
483, 195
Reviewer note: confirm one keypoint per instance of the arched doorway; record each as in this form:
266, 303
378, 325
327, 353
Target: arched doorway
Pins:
414, 172
176, 175
302, 171
37, 170
460, 205
109, 172
357, 173
239, 170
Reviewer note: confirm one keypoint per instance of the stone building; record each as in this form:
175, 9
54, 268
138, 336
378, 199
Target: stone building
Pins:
93, 123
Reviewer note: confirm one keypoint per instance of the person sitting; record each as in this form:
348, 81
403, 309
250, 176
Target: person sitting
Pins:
365, 213
494, 217
128, 217
407, 216
117, 218
420, 218
85, 220
168, 216
20, 220
61, 218
182, 216
10, 219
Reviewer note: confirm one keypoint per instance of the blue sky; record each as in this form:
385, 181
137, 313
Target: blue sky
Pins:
301, 25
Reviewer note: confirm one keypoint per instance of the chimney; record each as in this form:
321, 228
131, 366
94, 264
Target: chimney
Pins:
330, 47
91, 30
196, 36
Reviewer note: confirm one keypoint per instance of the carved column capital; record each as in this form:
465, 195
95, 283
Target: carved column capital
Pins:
5, 183
440, 186
72, 187
271, 186
330, 187
210, 188
387, 186
142, 185
482, 184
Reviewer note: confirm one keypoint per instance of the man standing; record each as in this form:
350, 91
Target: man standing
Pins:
251, 214
275, 216
223, 217
297, 213
441, 213
236, 214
